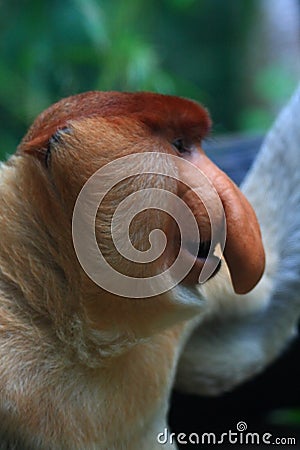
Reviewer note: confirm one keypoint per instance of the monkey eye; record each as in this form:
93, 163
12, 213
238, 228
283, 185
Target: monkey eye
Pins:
180, 146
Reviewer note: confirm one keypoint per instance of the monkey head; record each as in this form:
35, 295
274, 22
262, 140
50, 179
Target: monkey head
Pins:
78, 136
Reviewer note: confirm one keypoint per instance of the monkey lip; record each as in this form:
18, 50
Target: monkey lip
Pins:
200, 255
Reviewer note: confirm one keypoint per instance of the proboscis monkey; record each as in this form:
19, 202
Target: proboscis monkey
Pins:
82, 367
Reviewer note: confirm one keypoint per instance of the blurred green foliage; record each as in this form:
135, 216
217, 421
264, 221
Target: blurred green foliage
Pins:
285, 417
193, 48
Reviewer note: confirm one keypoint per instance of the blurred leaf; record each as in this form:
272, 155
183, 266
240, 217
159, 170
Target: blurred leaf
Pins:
275, 84
255, 120
285, 417
94, 22
181, 4
192, 48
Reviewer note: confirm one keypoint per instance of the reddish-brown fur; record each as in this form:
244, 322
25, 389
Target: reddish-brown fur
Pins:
82, 368
155, 110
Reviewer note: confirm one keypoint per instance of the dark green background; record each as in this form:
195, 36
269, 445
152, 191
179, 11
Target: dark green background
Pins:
201, 49
193, 48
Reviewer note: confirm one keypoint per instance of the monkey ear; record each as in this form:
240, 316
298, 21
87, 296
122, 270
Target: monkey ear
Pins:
40, 144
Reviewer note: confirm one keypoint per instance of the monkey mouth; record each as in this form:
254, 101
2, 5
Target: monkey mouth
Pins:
201, 255
201, 250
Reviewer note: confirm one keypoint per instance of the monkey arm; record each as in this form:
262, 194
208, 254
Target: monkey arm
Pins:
242, 334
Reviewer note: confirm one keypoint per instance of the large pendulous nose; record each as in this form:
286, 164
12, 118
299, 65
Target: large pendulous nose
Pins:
244, 252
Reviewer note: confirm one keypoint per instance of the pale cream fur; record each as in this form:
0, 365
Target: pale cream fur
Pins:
79, 368
82, 369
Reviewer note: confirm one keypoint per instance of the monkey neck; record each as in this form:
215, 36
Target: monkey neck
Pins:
128, 393
34, 253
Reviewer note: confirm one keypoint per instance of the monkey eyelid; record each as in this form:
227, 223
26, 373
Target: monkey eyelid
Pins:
180, 146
